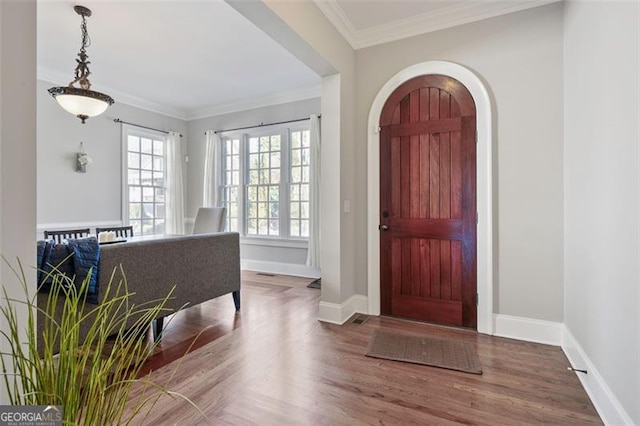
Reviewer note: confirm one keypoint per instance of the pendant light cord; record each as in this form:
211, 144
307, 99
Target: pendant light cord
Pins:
86, 40
82, 68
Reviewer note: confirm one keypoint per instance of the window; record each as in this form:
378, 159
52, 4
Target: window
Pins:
263, 186
230, 189
144, 192
266, 183
299, 186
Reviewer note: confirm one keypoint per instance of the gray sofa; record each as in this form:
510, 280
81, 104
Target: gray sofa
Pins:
201, 267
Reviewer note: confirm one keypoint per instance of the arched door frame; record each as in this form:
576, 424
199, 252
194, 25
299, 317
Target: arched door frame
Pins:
484, 183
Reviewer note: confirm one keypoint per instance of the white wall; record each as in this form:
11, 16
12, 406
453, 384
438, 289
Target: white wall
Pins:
519, 57
17, 146
302, 29
339, 242
68, 197
272, 258
602, 298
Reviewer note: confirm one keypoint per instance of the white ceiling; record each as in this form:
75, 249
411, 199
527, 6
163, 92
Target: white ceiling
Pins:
365, 23
195, 58
186, 59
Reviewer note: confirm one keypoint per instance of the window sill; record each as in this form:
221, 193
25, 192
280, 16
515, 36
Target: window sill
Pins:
274, 242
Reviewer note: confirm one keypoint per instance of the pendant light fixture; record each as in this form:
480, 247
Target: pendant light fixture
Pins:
82, 101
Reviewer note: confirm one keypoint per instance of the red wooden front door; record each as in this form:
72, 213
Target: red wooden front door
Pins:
428, 202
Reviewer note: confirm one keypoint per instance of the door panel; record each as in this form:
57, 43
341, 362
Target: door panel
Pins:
427, 192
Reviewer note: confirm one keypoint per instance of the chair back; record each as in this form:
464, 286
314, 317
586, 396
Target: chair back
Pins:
209, 219
59, 236
120, 231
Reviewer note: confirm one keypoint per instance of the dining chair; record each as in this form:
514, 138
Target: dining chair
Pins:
120, 231
59, 236
209, 219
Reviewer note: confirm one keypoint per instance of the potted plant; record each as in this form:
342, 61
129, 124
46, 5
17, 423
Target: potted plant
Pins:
91, 380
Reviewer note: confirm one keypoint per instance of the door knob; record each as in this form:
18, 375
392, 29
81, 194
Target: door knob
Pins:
383, 227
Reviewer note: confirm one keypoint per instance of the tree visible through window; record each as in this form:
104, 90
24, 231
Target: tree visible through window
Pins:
300, 162
266, 183
145, 188
231, 180
263, 186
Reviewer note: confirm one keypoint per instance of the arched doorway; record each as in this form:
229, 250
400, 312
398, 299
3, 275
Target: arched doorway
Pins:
485, 263
428, 202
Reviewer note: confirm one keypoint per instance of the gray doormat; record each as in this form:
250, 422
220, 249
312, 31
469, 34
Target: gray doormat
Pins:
452, 355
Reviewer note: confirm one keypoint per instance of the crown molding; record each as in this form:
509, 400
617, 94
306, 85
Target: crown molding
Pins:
278, 98
419, 24
188, 115
120, 97
335, 14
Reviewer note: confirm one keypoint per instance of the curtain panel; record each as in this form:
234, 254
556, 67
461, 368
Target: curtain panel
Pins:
212, 170
313, 254
175, 188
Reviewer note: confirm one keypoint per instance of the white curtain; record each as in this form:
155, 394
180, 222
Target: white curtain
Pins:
313, 255
175, 192
212, 166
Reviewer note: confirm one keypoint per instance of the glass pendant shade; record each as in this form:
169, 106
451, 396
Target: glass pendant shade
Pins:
82, 101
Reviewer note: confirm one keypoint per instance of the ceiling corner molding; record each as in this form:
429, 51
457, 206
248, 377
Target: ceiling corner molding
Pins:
45, 74
147, 105
334, 13
50, 76
457, 14
277, 98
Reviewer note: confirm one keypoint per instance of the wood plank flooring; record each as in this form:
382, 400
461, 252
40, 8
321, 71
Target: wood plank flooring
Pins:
275, 364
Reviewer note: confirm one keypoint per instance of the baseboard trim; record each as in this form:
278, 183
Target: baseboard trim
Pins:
339, 313
528, 329
609, 408
554, 333
279, 268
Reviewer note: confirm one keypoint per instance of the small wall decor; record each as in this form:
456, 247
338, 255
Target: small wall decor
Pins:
82, 160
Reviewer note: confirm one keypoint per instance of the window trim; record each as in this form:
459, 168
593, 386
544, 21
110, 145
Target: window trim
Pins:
284, 131
128, 129
230, 136
275, 242
284, 141
295, 128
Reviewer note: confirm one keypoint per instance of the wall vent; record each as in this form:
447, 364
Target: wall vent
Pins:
359, 319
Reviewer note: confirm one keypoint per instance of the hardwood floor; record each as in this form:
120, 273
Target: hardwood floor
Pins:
274, 363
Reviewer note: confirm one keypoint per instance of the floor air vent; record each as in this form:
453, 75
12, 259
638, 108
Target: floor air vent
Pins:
359, 319
266, 274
